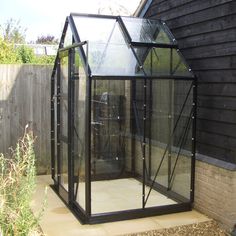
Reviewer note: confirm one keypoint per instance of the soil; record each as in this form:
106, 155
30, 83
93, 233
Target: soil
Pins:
209, 228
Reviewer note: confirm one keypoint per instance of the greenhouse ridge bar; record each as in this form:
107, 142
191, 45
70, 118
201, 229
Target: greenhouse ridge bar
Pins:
123, 108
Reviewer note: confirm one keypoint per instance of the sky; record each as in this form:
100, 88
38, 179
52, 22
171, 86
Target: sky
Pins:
47, 17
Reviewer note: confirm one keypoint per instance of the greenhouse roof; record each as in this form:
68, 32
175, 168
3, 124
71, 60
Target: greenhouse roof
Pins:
125, 46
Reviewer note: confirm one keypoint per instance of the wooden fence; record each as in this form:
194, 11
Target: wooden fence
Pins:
25, 99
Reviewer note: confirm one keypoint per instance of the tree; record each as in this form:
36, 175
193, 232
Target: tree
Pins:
112, 8
13, 32
7, 53
49, 39
21, 55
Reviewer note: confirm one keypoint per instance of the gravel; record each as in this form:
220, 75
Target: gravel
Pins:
209, 228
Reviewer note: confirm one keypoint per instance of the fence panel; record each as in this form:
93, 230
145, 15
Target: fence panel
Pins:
25, 99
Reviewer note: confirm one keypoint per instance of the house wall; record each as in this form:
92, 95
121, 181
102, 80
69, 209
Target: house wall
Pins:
215, 191
205, 31
206, 34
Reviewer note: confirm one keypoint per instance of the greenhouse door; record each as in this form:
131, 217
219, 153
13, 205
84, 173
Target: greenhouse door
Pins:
63, 71
69, 122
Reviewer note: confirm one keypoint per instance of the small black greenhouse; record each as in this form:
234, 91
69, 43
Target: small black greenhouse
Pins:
122, 119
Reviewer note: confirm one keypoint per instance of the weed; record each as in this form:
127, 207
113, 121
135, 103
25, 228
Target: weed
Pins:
17, 185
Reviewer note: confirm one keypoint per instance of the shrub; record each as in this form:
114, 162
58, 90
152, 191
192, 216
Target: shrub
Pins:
25, 54
45, 60
17, 185
21, 55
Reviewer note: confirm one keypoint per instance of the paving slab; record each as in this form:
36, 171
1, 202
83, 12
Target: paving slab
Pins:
57, 220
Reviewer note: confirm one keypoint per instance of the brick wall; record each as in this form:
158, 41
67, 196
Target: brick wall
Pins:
215, 193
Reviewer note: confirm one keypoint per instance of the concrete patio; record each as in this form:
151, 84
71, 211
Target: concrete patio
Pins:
58, 220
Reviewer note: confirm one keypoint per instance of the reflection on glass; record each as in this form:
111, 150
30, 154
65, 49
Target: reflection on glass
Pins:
79, 132
162, 62
180, 67
147, 30
168, 153
155, 61
64, 93
161, 125
64, 119
64, 165
68, 37
181, 175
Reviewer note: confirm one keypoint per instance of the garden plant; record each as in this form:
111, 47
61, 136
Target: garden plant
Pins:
17, 186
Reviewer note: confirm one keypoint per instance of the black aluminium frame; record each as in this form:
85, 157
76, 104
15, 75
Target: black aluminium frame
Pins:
86, 216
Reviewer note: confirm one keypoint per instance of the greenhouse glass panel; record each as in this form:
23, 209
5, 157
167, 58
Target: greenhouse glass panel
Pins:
179, 66
123, 108
102, 28
68, 37
148, 31
78, 129
104, 42
162, 61
101, 56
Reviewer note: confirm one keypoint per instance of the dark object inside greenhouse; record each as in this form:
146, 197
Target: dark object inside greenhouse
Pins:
123, 108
